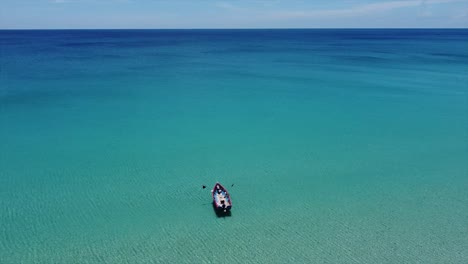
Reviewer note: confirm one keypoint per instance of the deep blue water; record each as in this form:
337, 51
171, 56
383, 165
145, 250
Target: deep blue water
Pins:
345, 146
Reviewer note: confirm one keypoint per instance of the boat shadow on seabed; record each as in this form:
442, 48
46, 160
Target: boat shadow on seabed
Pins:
220, 213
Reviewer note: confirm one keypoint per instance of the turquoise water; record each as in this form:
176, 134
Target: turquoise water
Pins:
345, 146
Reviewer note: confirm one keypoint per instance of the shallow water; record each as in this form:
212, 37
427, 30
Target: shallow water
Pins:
345, 146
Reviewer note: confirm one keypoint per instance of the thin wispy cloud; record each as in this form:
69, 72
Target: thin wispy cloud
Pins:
89, 1
358, 10
232, 14
225, 5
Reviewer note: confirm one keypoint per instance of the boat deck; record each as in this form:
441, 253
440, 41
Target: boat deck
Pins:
221, 197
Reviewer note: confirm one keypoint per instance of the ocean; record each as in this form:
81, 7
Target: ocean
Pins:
337, 146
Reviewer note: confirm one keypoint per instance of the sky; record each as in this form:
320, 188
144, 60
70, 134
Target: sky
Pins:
112, 14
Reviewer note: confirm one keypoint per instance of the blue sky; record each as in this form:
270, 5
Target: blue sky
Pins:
53, 14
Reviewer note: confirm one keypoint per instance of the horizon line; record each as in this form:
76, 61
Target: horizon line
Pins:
235, 28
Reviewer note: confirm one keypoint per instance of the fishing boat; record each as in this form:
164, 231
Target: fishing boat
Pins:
221, 199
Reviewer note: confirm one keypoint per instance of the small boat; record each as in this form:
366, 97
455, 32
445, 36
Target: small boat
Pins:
221, 199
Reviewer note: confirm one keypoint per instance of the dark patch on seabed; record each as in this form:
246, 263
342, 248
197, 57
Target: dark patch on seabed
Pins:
220, 213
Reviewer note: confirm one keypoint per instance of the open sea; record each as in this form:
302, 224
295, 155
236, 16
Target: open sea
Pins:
344, 146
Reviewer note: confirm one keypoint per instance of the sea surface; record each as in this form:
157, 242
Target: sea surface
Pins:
344, 146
